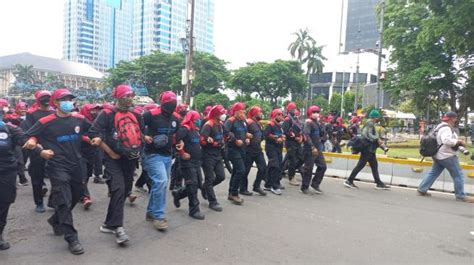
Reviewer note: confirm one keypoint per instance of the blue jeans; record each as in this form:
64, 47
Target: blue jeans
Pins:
158, 168
454, 169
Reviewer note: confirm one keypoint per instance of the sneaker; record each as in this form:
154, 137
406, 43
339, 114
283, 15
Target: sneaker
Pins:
132, 198
149, 217
40, 208
236, 199
467, 199
246, 193
141, 189
294, 182
120, 235
99, 180
267, 188
107, 229
215, 206
176, 201
316, 189
350, 185
160, 224
86, 202
197, 216
426, 194
382, 187
259, 191
4, 245
281, 187
276, 191
305, 191
56, 228
75, 247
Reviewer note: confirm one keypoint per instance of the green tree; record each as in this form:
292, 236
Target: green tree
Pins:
433, 52
322, 102
25, 74
202, 100
335, 103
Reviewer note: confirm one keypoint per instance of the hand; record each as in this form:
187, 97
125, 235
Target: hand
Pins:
114, 155
299, 139
292, 135
30, 144
239, 142
210, 140
279, 140
148, 139
96, 141
185, 156
461, 143
180, 146
380, 142
249, 135
47, 154
247, 141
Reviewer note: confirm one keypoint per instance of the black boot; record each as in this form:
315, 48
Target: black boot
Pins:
197, 215
4, 245
215, 206
75, 247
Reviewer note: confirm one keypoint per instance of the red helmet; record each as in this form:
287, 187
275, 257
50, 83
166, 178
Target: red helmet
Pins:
355, 120
4, 103
122, 91
291, 106
21, 106
238, 106
207, 109
216, 112
253, 111
181, 107
107, 105
59, 94
275, 113
150, 106
138, 109
86, 111
41, 93
191, 117
313, 109
168, 97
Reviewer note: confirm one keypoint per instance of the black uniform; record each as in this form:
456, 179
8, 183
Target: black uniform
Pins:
119, 172
274, 154
36, 168
312, 133
63, 135
234, 130
293, 128
212, 158
190, 169
254, 154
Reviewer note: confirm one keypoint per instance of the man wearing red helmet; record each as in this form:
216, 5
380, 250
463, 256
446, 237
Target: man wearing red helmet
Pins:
162, 124
212, 142
254, 151
293, 129
313, 154
235, 132
119, 132
36, 166
61, 134
274, 139
190, 163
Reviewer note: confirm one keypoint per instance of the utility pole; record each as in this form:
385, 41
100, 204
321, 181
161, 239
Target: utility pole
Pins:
356, 105
189, 59
340, 27
379, 68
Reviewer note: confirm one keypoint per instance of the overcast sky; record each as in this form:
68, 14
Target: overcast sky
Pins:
245, 30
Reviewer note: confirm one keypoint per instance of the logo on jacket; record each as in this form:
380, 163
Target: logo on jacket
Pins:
173, 124
3, 136
77, 129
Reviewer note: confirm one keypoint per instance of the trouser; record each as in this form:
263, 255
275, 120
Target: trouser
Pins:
37, 173
66, 191
4, 207
176, 175
98, 163
119, 181
213, 175
89, 165
372, 160
454, 169
336, 148
143, 179
275, 158
295, 157
309, 163
259, 160
158, 168
20, 164
237, 158
192, 176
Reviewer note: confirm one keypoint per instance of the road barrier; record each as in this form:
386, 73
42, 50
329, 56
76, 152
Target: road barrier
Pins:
397, 172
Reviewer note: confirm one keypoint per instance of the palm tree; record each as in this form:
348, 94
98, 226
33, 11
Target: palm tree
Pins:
298, 47
25, 74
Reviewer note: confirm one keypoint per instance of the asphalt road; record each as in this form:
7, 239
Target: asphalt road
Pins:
343, 226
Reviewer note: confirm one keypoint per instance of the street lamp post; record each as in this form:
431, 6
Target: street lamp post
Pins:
190, 53
356, 105
379, 67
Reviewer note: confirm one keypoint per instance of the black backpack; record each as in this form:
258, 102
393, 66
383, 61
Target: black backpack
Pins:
429, 144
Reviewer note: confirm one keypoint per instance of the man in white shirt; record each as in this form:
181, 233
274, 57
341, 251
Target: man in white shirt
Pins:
446, 158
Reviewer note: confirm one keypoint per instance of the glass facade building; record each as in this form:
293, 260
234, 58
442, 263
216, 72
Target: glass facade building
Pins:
361, 25
97, 32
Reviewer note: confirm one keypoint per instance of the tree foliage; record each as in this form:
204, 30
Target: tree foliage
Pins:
270, 81
433, 52
202, 100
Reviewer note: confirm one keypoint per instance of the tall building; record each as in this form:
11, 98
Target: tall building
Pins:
159, 25
361, 25
97, 32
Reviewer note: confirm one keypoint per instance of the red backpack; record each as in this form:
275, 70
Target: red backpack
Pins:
129, 135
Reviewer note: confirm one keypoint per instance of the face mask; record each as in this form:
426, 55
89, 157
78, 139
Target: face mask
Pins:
44, 101
66, 106
23, 117
124, 103
258, 117
223, 117
6, 109
198, 123
168, 108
